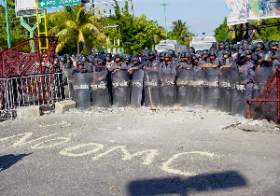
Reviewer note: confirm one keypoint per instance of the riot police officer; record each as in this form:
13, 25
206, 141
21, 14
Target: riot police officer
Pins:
120, 82
151, 80
225, 85
100, 87
137, 80
211, 81
245, 86
167, 79
185, 77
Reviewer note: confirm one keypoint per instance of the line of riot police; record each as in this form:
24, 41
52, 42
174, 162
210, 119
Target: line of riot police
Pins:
223, 77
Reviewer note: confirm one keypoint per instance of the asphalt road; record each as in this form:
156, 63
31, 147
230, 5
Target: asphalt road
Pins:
181, 151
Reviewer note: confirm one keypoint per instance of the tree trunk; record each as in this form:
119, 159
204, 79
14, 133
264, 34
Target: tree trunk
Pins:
78, 48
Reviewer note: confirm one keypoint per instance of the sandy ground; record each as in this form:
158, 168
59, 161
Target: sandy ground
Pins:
172, 151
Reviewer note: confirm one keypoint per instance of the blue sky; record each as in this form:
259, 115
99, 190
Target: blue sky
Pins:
200, 15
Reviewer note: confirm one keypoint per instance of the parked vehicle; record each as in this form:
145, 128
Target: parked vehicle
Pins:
202, 42
166, 45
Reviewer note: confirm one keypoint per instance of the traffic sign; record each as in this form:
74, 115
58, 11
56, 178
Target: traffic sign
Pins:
57, 3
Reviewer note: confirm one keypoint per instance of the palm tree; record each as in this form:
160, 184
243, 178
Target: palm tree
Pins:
181, 32
76, 24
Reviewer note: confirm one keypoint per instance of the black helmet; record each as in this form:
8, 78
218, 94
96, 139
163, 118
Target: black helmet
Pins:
273, 44
127, 58
205, 53
212, 53
241, 58
260, 55
99, 61
80, 62
151, 54
62, 59
162, 54
192, 50
182, 55
198, 53
108, 55
135, 59
226, 53
260, 46
248, 52
189, 54
227, 47
166, 54
171, 53
83, 59
221, 46
91, 58
214, 45
117, 56
268, 56
186, 54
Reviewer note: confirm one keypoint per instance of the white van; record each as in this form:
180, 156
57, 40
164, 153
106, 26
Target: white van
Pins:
166, 45
202, 43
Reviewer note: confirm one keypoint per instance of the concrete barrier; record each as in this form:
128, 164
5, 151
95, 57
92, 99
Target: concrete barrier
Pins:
64, 106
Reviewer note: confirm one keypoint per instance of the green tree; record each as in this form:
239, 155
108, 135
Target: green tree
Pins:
267, 30
77, 28
147, 34
17, 31
180, 32
271, 32
222, 33
135, 33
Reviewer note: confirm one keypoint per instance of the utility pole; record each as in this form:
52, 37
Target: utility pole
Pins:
8, 25
165, 17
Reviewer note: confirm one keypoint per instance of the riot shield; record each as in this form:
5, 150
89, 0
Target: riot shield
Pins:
68, 82
225, 90
81, 86
137, 88
238, 93
151, 89
199, 89
121, 88
99, 89
167, 89
212, 88
184, 87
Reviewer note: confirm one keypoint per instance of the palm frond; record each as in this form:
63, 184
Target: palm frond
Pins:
89, 27
59, 47
81, 37
71, 24
62, 33
80, 16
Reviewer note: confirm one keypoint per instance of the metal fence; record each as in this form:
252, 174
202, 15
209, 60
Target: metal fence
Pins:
41, 90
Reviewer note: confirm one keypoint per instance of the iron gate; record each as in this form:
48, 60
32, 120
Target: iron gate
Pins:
40, 89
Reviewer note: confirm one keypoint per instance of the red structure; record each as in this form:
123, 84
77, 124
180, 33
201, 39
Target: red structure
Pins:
269, 98
19, 61
27, 77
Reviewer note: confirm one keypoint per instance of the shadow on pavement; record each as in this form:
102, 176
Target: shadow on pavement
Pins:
176, 185
7, 161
